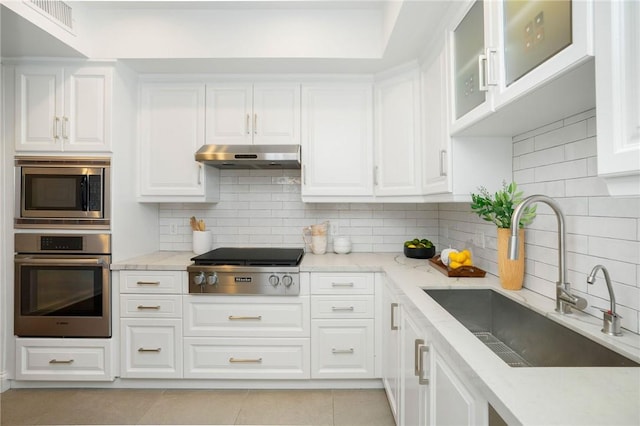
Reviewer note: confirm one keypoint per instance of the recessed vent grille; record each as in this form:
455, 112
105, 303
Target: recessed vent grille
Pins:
58, 10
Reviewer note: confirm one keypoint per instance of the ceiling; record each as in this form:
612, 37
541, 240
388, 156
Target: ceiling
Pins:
315, 36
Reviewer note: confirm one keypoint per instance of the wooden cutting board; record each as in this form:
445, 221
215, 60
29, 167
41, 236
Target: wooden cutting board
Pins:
463, 271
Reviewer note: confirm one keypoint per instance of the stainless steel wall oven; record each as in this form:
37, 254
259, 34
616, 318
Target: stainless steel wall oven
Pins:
62, 192
62, 285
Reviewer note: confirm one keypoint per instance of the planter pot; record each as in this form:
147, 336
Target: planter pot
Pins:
511, 272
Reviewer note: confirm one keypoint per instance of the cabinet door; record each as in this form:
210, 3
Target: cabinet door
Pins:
276, 114
39, 106
337, 140
436, 170
415, 396
86, 123
618, 95
468, 47
229, 114
452, 402
172, 130
391, 350
151, 348
342, 349
398, 147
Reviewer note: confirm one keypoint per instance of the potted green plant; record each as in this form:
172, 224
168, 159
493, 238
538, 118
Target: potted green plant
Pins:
498, 208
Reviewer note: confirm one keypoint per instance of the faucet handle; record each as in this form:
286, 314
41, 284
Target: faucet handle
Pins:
611, 323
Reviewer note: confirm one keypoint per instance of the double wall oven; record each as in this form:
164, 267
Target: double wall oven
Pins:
62, 282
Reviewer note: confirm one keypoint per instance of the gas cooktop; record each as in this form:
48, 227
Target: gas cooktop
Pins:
250, 256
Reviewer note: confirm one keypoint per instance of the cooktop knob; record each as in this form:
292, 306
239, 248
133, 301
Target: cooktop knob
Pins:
212, 279
287, 280
274, 280
199, 279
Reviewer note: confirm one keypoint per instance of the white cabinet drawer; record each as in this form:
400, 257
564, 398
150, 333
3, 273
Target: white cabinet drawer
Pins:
233, 316
63, 359
346, 283
241, 358
342, 307
151, 306
151, 348
151, 281
342, 349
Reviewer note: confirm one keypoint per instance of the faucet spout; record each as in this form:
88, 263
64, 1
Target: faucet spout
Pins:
565, 300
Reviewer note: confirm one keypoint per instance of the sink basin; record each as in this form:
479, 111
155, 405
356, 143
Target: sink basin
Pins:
522, 337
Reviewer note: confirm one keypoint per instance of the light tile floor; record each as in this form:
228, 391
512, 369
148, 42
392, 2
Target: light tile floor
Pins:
191, 407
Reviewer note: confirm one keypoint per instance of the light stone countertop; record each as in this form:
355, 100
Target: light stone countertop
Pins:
540, 395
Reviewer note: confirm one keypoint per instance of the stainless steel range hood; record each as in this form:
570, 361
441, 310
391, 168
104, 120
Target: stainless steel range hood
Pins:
250, 156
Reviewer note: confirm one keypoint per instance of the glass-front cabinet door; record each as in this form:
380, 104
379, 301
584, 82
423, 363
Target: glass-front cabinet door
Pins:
469, 44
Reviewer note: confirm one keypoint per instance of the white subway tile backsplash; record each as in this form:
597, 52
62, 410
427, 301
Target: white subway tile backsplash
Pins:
615, 207
583, 116
561, 136
561, 171
581, 149
542, 158
586, 187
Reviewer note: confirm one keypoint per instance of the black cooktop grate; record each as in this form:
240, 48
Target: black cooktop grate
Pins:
250, 256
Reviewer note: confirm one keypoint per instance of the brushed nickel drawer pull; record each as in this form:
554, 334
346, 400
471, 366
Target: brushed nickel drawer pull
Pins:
148, 282
344, 308
342, 351
61, 361
157, 307
342, 284
246, 360
149, 350
240, 317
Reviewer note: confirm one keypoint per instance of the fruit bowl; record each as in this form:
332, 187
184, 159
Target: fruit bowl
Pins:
420, 253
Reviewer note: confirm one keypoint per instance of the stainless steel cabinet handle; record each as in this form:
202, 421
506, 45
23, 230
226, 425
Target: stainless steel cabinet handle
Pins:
443, 156
393, 316
342, 351
342, 308
59, 261
65, 129
199, 173
149, 350
482, 83
421, 373
246, 360
56, 125
141, 307
246, 125
239, 317
416, 356
375, 175
490, 75
148, 283
61, 361
255, 124
341, 284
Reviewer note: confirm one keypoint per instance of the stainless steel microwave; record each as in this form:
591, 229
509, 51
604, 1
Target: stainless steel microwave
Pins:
63, 192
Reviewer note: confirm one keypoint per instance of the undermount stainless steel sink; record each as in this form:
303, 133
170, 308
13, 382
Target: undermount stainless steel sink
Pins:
522, 337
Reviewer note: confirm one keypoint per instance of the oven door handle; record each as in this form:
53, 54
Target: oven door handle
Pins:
65, 261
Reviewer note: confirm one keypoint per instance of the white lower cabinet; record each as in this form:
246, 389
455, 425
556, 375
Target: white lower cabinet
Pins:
453, 402
246, 358
342, 326
151, 348
64, 359
151, 324
423, 387
246, 337
342, 349
414, 372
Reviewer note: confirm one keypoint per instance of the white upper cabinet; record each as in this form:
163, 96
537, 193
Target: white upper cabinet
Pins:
398, 152
337, 141
245, 113
63, 108
618, 95
171, 131
540, 49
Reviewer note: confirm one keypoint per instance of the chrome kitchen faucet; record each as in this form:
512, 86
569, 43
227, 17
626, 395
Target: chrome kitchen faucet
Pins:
564, 299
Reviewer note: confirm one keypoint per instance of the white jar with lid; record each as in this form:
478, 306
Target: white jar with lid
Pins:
341, 245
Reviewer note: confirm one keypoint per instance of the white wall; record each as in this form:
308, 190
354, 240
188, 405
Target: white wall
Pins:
559, 160
263, 208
